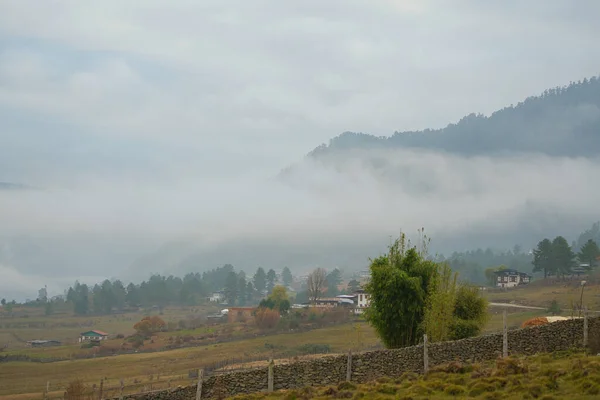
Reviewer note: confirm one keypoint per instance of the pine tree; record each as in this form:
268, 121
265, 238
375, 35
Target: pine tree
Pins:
589, 254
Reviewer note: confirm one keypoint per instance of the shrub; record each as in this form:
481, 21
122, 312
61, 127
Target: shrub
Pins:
266, 318
454, 390
76, 390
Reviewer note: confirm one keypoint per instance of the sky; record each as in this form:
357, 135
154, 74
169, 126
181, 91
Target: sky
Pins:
150, 121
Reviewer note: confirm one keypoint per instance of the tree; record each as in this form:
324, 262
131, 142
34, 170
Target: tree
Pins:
334, 278
589, 254
3, 302
542, 258
271, 280
231, 288
563, 258
400, 281
149, 325
470, 313
490, 274
441, 300
277, 300
353, 285
260, 280
286, 276
242, 287
133, 295
316, 284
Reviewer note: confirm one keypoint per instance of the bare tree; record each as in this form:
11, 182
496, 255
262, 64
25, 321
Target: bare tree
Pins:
317, 281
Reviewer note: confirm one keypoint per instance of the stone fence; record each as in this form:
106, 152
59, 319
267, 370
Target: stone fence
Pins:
367, 366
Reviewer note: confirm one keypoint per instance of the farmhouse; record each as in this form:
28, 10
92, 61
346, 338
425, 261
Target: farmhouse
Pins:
216, 297
362, 300
507, 278
93, 335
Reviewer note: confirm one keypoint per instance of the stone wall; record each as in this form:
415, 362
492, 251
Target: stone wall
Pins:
562, 335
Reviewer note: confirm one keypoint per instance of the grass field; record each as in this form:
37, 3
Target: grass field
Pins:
548, 377
540, 294
144, 371
18, 378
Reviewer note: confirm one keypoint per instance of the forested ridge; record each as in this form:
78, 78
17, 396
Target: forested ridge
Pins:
562, 121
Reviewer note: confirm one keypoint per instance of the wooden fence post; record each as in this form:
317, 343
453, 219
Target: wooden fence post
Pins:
349, 367
504, 335
425, 355
199, 386
47, 390
585, 327
101, 388
270, 376
121, 390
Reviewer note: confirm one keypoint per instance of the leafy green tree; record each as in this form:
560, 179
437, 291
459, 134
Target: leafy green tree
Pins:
286, 276
271, 280
277, 300
470, 313
400, 281
441, 300
3, 302
260, 280
589, 254
563, 257
542, 258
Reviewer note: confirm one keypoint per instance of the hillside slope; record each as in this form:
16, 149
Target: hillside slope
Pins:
563, 121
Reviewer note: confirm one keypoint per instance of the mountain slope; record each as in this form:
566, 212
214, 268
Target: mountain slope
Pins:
564, 121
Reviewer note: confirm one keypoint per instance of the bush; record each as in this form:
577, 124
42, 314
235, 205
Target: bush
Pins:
462, 329
76, 390
120, 336
266, 318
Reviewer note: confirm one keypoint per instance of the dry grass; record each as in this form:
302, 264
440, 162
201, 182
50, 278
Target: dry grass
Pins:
540, 294
26, 377
547, 376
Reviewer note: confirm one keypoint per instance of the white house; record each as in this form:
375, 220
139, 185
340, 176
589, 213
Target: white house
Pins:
362, 300
217, 297
507, 278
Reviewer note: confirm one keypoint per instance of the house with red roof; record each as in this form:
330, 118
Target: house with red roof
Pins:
93, 335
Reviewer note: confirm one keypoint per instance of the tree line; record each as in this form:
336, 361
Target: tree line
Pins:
557, 258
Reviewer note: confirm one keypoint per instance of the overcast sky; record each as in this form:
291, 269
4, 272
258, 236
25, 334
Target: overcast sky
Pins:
138, 104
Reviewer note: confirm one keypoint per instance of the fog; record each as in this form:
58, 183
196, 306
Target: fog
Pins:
141, 138
333, 203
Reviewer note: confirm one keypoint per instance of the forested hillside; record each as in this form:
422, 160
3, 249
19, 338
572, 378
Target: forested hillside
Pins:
563, 121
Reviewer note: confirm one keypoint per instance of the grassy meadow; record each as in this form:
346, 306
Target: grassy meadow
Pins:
208, 345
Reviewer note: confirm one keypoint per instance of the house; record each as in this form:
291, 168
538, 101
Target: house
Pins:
217, 297
93, 335
507, 278
240, 314
362, 300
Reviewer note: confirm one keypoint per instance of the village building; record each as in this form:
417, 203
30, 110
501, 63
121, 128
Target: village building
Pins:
362, 300
216, 297
93, 335
508, 278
